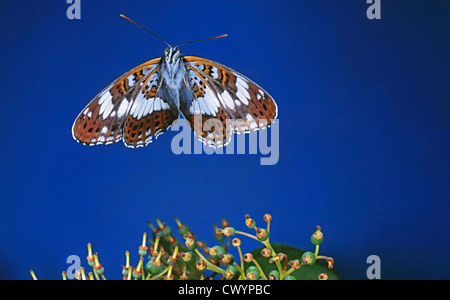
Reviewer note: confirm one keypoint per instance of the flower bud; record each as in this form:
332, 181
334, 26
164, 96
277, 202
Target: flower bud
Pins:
262, 234
249, 222
236, 242
229, 231
266, 252
317, 237
248, 257
231, 271
252, 273
308, 258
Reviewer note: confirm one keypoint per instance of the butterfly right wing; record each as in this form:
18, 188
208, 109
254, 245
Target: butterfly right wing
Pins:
223, 99
102, 120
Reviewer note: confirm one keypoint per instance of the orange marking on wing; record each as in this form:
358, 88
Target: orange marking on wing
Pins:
189, 58
211, 128
140, 132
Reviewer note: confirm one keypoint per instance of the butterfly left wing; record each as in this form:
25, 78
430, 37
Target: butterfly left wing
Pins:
102, 120
225, 99
150, 114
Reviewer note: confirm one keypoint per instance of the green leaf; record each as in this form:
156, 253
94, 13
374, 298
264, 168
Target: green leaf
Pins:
304, 273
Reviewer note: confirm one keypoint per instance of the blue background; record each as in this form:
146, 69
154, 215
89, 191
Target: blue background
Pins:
364, 132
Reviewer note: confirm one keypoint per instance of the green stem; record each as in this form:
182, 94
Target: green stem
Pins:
247, 235
260, 270
317, 251
240, 270
209, 265
279, 267
288, 272
160, 274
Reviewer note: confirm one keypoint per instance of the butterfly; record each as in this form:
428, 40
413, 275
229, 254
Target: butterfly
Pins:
146, 101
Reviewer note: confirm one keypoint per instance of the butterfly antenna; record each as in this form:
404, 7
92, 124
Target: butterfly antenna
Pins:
211, 38
125, 17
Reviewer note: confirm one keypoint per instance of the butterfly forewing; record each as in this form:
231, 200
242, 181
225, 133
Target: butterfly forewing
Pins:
102, 120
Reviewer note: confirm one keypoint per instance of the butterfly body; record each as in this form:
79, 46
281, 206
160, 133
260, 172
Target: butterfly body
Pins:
173, 76
144, 102
172, 61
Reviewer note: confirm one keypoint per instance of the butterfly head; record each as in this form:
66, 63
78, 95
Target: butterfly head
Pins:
172, 56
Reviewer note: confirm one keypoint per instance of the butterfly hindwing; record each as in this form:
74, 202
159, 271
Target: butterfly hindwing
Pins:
203, 111
102, 120
220, 93
150, 115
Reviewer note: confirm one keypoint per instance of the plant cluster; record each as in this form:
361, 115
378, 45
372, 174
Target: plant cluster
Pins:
164, 256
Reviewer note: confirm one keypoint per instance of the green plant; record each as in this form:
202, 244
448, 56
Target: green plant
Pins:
167, 257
